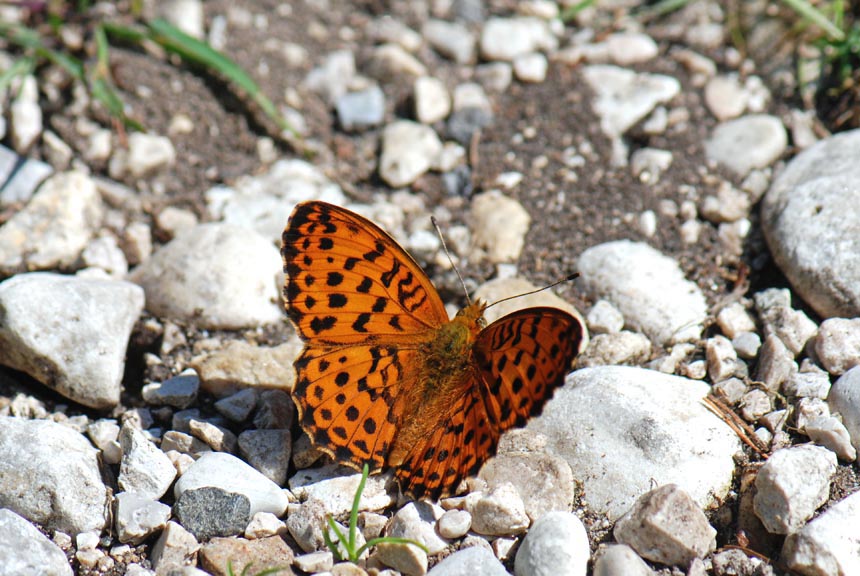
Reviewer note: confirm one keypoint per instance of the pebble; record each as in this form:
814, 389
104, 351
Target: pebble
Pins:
275, 410
54, 227
748, 142
187, 15
793, 327
208, 512
556, 544
495, 76
454, 524
173, 549
144, 468
237, 407
626, 48
648, 164
26, 551
19, 177
69, 333
179, 391
409, 149
805, 214
450, 39
747, 344
604, 318
241, 364
431, 98
173, 440
388, 29
499, 226
220, 470
667, 526
619, 348
837, 344
263, 202
170, 221
104, 433
149, 153
25, 115
776, 363
417, 521
507, 38
137, 517
500, 512
725, 97
624, 428
844, 399
828, 544
335, 486
792, 485
390, 62
263, 556
314, 562
807, 410
465, 122
728, 205
402, 557
722, 358
829, 432
105, 254
810, 384
49, 474
58, 154
647, 287
531, 67
263, 525
361, 110
188, 281
755, 404
268, 451
544, 481
305, 523
624, 97
618, 559
471, 561
733, 319
331, 80
217, 437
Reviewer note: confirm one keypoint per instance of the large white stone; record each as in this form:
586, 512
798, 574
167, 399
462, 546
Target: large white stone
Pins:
557, 544
27, 552
829, 544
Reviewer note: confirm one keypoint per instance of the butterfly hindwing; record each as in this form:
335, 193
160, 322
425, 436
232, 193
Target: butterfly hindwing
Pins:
349, 282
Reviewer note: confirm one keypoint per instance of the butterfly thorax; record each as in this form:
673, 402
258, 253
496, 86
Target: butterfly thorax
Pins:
446, 362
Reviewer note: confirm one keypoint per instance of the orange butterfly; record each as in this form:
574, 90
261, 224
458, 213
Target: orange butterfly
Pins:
386, 378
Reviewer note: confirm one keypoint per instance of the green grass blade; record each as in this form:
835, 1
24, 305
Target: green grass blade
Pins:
193, 50
353, 513
30, 39
21, 67
808, 11
331, 545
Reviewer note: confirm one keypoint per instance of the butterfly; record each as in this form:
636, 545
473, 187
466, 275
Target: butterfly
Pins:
385, 378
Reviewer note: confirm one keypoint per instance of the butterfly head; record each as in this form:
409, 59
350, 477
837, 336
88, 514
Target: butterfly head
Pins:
473, 315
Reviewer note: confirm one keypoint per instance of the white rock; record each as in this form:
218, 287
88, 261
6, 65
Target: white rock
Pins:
432, 100
104, 253
844, 399
227, 472
417, 521
828, 544
25, 115
733, 319
471, 95
499, 226
507, 38
618, 559
138, 516
666, 526
173, 550
57, 152
808, 409
837, 344
604, 318
361, 109
791, 486
725, 97
809, 384
179, 391
402, 557
647, 287
494, 76
237, 407
648, 164
104, 433
775, 363
791, 326
144, 469
388, 29
263, 202
556, 544
451, 39
612, 349
54, 227
390, 62
501, 512
816, 255
729, 205
315, 562
187, 15
217, 437
624, 428
188, 280
263, 525
829, 432
332, 79
50, 475
721, 357
148, 153
747, 344
626, 48
409, 150
69, 333
335, 486
752, 141
454, 523
26, 551
531, 67
471, 561
624, 97
268, 451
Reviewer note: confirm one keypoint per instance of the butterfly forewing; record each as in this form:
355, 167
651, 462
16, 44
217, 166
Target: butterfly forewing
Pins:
348, 281
523, 357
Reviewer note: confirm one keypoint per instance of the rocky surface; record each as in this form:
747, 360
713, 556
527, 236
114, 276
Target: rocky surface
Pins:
146, 425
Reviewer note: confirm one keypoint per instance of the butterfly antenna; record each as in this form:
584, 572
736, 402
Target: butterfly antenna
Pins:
567, 278
451, 260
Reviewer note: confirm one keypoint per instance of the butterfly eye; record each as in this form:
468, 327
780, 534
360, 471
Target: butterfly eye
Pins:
482, 322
